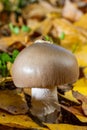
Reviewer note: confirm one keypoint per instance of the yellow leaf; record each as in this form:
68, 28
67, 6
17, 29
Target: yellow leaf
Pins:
72, 35
85, 71
3, 79
9, 67
13, 102
45, 26
23, 121
70, 96
81, 56
82, 22
81, 86
18, 121
66, 127
82, 118
15, 38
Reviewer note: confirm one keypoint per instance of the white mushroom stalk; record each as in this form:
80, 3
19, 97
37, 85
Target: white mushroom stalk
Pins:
43, 101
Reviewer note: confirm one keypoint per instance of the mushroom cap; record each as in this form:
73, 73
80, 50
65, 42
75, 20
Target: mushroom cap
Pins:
44, 65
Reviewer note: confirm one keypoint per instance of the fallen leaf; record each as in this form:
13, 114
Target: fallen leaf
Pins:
27, 91
15, 38
66, 127
72, 35
18, 121
85, 72
39, 10
81, 86
81, 56
45, 26
83, 99
77, 112
69, 95
82, 22
70, 11
13, 102
2, 79
23, 121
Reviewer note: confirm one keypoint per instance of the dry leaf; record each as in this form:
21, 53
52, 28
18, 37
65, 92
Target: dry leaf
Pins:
82, 22
23, 121
3, 45
39, 10
71, 12
13, 102
18, 121
72, 36
15, 38
2, 79
81, 86
76, 111
83, 99
66, 127
68, 95
34, 11
85, 72
33, 24
81, 56
1, 7
80, 93
45, 26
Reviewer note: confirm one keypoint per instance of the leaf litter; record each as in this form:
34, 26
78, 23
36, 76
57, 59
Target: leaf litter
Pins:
45, 20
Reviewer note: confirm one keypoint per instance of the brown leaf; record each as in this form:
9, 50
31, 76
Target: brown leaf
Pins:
13, 102
39, 10
76, 111
71, 12
83, 99
3, 45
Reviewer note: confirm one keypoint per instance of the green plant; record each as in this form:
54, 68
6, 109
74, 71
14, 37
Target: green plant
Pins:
4, 59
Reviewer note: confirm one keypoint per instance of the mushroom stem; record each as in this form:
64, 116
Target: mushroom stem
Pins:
42, 101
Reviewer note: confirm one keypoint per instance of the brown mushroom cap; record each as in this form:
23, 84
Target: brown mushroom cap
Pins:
44, 65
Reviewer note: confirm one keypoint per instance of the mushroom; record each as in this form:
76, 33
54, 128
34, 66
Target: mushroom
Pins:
42, 67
